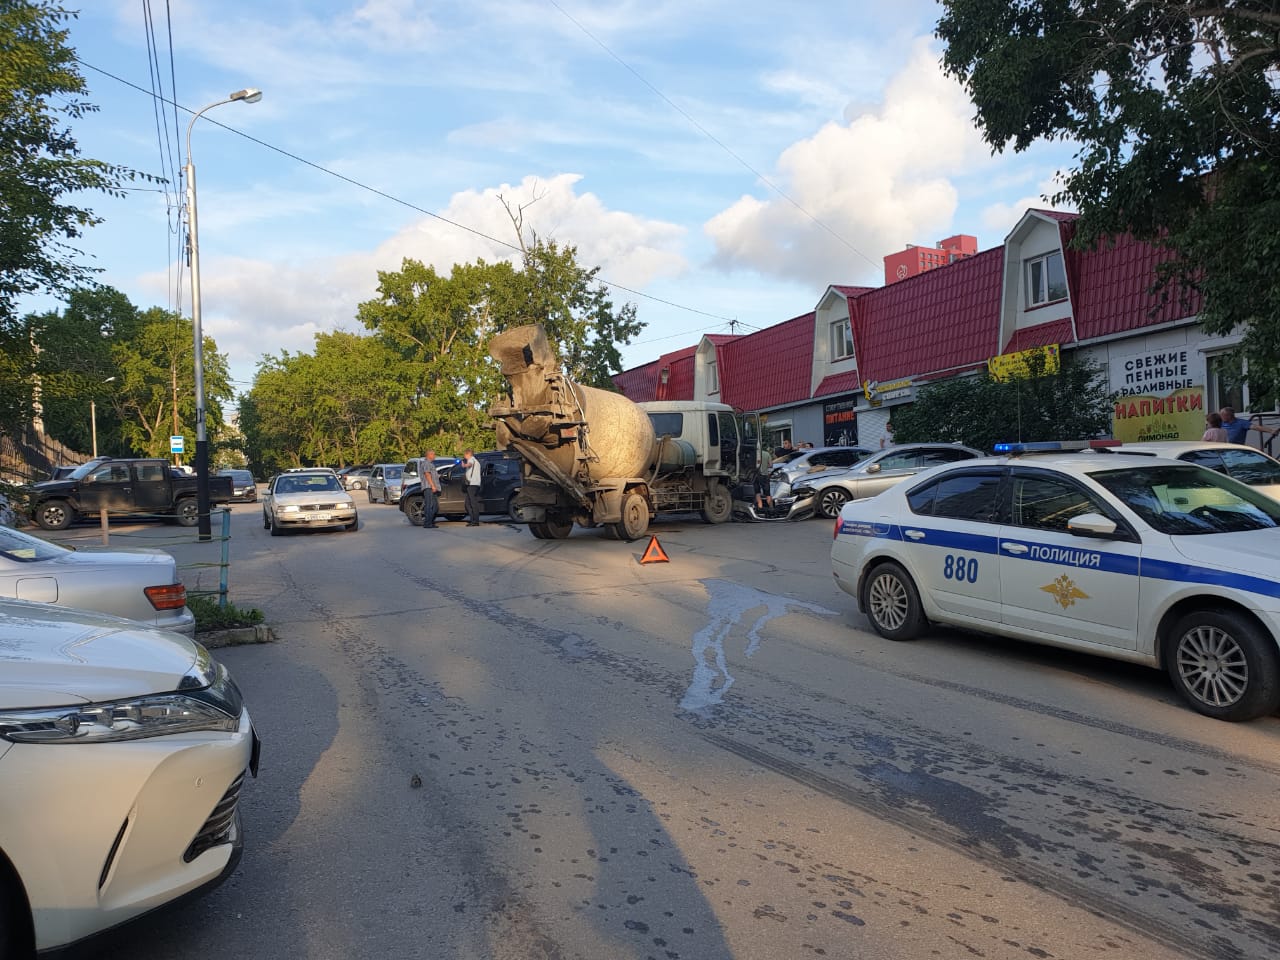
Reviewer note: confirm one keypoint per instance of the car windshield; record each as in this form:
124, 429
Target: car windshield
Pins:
308, 483
82, 471
240, 476
391, 473
1190, 500
15, 545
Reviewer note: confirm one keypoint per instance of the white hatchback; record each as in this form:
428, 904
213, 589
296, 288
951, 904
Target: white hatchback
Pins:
1132, 557
123, 752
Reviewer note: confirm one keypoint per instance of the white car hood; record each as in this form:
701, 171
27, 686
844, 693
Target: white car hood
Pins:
51, 656
339, 497
1254, 552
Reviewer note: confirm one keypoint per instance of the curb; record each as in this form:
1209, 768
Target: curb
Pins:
236, 636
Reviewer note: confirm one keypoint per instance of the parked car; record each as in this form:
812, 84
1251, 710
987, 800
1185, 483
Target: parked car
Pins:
385, 482
500, 480
796, 463
1246, 464
1133, 557
123, 753
142, 585
301, 499
355, 478
825, 493
243, 486
143, 486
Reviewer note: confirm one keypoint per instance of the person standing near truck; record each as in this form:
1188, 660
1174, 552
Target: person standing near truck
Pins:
430, 490
472, 482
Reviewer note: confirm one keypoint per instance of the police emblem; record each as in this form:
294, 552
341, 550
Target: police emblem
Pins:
1064, 591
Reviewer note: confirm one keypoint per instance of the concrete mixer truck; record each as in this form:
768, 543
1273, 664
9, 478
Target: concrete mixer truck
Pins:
597, 459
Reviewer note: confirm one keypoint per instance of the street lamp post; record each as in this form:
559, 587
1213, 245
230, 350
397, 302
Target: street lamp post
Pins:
248, 95
93, 417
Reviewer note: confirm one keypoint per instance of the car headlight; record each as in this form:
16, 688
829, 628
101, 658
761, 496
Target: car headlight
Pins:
799, 491
290, 508
207, 700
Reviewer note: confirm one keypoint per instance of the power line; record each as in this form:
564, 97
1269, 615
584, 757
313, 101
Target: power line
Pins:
387, 196
707, 133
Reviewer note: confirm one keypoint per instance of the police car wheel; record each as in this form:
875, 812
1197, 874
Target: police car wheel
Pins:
892, 604
1224, 665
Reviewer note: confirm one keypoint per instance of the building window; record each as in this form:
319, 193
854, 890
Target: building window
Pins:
841, 339
1228, 386
713, 378
1046, 279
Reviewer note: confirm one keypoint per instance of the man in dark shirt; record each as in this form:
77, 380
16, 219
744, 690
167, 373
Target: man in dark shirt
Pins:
430, 490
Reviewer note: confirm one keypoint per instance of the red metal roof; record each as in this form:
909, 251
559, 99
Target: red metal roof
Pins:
1041, 335
638, 383
935, 321
1111, 287
838, 383
768, 368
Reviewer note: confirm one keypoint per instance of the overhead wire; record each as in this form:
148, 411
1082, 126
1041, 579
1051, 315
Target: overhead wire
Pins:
388, 196
173, 215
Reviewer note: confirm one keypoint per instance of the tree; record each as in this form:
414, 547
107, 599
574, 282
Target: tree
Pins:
40, 162
1174, 107
980, 411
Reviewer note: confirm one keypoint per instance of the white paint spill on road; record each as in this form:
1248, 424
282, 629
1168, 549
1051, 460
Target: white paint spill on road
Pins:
726, 604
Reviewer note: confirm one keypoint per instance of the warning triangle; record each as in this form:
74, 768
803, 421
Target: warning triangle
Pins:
654, 553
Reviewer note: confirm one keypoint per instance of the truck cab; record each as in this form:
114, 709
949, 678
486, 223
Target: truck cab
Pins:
726, 442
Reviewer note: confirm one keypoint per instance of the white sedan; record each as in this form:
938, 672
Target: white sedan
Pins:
297, 499
123, 752
1137, 558
142, 585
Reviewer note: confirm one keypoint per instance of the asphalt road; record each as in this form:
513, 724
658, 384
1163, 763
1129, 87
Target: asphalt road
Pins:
482, 745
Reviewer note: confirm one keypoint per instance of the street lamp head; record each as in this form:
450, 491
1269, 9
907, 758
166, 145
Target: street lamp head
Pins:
248, 95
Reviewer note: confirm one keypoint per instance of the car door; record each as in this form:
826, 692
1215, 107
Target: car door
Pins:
151, 486
377, 485
953, 530
109, 487
1060, 585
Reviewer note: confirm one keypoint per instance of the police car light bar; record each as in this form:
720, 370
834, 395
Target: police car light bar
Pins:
1054, 446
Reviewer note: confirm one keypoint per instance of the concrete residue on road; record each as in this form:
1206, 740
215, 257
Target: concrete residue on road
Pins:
727, 604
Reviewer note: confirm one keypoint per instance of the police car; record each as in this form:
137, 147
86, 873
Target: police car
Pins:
1137, 558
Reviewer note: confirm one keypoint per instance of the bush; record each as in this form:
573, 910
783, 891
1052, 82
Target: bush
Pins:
210, 616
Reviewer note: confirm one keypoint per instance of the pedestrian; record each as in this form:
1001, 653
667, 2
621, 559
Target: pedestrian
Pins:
1238, 430
782, 451
887, 440
763, 493
472, 481
430, 490
1214, 431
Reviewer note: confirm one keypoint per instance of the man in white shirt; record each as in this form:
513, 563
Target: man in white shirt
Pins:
472, 487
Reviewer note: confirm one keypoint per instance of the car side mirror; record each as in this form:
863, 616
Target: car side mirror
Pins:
873, 468
1092, 525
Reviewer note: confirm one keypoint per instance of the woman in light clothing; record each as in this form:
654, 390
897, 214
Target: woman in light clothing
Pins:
1215, 431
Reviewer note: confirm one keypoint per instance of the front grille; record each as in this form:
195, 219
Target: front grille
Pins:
322, 506
217, 829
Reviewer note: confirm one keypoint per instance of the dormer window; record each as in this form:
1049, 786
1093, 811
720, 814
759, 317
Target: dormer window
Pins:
713, 378
841, 339
1046, 279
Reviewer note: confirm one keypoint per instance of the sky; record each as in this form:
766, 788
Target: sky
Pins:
720, 162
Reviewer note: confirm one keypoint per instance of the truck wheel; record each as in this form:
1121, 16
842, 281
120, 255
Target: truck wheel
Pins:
635, 517
539, 530
558, 529
717, 506
55, 515
413, 511
187, 512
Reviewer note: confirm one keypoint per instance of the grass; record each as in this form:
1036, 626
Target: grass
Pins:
210, 616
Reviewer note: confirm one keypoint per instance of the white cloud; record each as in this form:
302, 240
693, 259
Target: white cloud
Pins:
1002, 217
878, 182
254, 306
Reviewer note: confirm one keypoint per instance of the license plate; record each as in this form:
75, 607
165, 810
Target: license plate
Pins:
320, 518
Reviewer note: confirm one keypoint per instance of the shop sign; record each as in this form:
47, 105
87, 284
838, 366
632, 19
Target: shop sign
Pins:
1019, 365
840, 423
877, 393
1156, 397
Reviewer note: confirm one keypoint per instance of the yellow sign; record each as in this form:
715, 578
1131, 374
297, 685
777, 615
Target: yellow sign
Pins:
1064, 591
1010, 366
1175, 416
875, 391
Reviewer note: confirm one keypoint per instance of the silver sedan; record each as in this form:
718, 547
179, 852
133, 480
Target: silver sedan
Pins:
307, 498
142, 585
825, 493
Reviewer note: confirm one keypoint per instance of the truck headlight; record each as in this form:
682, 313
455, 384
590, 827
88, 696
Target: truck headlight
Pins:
214, 706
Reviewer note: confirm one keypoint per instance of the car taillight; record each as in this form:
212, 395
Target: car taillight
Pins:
171, 596
835, 530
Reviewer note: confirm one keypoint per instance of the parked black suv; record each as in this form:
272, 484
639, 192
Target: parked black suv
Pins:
499, 484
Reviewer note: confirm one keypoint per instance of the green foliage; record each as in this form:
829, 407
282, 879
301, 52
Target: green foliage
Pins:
210, 616
981, 412
1174, 108
40, 162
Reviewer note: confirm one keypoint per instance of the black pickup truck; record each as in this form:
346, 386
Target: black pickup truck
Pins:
143, 486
